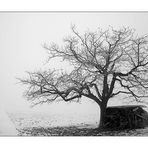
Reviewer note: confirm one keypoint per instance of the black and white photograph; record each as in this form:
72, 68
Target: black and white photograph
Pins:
73, 74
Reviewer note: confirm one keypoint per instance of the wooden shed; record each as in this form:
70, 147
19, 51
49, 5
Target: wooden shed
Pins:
126, 117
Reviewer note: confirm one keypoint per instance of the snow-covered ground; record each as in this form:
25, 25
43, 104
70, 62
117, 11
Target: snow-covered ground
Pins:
22, 120
7, 128
46, 124
76, 125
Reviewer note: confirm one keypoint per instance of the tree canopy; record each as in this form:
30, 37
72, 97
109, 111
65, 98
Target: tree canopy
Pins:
106, 64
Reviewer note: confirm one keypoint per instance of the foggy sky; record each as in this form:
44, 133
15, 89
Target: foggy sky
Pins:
23, 34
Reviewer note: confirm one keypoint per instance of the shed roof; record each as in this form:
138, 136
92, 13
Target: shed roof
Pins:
126, 106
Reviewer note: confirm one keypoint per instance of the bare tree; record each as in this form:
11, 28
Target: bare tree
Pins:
106, 64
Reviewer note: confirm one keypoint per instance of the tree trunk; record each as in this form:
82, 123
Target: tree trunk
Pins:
102, 115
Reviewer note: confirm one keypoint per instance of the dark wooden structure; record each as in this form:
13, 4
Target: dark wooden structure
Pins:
126, 117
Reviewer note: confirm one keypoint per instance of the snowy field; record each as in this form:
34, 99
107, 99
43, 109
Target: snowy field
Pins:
55, 125
61, 122
40, 125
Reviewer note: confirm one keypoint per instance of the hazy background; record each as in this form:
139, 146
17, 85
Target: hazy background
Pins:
21, 39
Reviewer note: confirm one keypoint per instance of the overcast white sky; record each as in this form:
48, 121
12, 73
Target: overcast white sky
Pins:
22, 36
